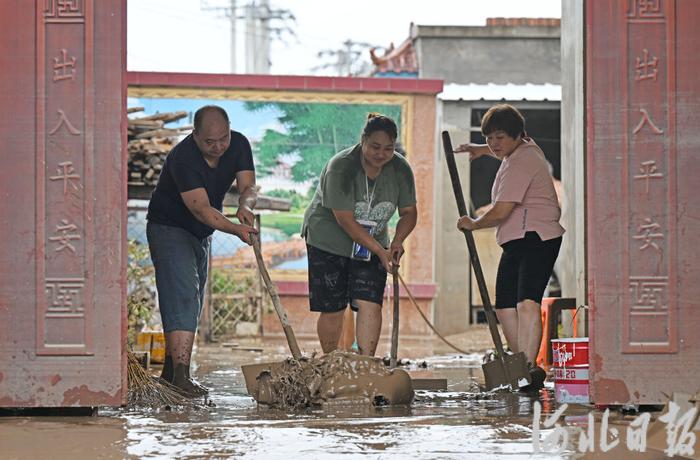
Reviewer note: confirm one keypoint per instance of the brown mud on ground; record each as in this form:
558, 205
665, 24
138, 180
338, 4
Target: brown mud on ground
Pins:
459, 423
338, 377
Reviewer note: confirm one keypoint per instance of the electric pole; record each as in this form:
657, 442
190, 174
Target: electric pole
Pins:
230, 13
348, 60
261, 23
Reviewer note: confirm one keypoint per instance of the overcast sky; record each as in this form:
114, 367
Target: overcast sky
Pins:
179, 36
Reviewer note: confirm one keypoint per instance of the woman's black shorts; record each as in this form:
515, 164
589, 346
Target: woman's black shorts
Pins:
334, 280
525, 268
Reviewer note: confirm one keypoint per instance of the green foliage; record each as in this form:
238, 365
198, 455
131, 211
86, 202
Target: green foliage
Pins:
233, 299
316, 131
289, 224
228, 281
140, 300
299, 202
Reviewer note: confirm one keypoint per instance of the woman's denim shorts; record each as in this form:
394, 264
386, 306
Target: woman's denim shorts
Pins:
180, 260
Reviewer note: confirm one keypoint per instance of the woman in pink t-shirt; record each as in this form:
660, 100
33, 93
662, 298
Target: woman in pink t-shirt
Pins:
526, 213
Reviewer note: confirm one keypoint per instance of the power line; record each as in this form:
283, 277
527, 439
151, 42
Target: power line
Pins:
348, 60
262, 24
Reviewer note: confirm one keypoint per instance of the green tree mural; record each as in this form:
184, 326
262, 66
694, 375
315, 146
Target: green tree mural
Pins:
315, 131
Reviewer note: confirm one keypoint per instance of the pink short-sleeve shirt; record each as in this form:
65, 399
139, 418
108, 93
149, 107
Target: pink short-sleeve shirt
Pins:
524, 179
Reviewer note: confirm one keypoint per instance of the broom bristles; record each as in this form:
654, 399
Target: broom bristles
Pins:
145, 390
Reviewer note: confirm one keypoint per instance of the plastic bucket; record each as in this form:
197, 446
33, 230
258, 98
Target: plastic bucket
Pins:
570, 352
153, 342
570, 358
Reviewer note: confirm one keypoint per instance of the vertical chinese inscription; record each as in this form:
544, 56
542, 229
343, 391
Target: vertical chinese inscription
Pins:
65, 297
646, 68
65, 11
64, 77
63, 66
647, 171
645, 10
648, 315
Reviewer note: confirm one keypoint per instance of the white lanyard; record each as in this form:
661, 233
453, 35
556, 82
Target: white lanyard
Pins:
369, 197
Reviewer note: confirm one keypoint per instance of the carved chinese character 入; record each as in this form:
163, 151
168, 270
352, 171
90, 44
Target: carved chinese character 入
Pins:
64, 121
646, 120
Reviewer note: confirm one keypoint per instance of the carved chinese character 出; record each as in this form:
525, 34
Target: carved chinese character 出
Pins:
63, 67
646, 68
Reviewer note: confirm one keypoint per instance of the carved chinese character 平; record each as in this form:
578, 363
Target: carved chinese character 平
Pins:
66, 173
648, 171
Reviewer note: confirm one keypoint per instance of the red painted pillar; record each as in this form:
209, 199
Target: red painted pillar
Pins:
643, 114
63, 207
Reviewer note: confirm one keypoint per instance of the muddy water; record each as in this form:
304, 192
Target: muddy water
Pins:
442, 425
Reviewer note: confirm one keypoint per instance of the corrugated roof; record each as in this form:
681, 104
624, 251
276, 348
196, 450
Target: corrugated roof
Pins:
498, 92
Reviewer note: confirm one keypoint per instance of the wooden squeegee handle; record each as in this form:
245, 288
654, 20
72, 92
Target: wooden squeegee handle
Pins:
272, 290
393, 357
473, 255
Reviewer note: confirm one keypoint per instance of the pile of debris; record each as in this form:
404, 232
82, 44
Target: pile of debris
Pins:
149, 141
335, 378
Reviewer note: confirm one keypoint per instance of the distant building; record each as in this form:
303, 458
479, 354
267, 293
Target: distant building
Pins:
513, 60
396, 62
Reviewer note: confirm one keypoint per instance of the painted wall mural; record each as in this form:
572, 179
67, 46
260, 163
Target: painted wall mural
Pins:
291, 142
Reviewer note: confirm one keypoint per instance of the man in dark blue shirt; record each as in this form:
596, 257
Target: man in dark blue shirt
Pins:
185, 209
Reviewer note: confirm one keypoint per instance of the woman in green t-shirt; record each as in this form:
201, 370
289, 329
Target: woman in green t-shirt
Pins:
346, 232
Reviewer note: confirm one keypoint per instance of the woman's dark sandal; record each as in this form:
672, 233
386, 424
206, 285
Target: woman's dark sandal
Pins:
538, 376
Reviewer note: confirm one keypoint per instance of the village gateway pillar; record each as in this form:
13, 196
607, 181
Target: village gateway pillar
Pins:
63, 206
642, 238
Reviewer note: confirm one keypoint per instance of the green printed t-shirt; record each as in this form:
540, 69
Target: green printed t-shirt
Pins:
343, 187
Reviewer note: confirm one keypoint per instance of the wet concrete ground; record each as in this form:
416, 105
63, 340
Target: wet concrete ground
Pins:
457, 424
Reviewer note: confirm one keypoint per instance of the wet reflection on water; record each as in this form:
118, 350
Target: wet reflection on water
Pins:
453, 424
459, 423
